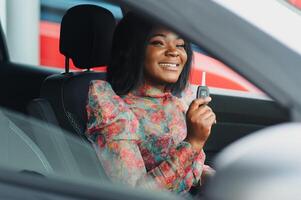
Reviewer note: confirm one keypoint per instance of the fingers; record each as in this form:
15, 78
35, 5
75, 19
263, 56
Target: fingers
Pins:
200, 113
203, 109
207, 114
208, 117
200, 110
211, 119
195, 104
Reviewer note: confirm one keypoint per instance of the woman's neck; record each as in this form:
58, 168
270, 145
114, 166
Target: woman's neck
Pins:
159, 87
151, 90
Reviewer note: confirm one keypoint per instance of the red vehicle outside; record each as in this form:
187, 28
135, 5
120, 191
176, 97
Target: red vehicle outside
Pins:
296, 3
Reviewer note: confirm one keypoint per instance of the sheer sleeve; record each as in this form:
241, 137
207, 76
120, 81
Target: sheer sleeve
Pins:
188, 95
199, 169
113, 129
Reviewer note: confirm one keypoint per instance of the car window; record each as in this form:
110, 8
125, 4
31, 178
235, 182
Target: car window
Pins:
277, 10
295, 3
219, 76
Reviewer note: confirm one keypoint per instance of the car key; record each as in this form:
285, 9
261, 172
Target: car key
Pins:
203, 90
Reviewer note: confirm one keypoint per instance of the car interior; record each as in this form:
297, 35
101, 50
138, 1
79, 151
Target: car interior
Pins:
59, 99
62, 97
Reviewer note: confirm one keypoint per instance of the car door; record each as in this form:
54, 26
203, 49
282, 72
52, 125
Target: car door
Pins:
239, 115
238, 112
250, 51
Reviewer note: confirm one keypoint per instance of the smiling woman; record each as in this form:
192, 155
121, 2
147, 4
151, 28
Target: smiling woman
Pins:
146, 45
165, 58
147, 135
141, 132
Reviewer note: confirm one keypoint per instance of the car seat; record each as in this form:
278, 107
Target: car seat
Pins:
85, 37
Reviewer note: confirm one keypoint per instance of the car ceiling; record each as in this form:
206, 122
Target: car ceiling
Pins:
268, 64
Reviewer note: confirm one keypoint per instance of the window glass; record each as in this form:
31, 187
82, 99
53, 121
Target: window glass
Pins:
295, 3
218, 75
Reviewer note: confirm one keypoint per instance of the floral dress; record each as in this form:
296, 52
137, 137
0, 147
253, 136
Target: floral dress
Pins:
139, 138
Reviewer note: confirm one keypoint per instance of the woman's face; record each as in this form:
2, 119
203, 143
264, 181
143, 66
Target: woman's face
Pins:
165, 58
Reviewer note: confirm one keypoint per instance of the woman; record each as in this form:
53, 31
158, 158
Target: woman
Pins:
138, 122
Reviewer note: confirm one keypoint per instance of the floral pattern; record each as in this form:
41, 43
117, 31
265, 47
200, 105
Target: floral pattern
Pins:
139, 137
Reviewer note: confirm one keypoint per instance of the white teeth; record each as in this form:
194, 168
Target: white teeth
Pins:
168, 65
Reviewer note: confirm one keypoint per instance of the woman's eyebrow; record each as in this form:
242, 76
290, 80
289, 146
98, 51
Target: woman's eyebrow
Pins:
158, 34
162, 35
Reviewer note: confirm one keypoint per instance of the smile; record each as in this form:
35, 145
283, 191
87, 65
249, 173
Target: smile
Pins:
173, 66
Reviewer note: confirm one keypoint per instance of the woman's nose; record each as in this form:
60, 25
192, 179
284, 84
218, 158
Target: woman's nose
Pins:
172, 52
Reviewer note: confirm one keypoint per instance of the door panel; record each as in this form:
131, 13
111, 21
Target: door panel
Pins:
238, 117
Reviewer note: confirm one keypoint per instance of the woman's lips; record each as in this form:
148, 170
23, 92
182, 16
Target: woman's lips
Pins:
169, 66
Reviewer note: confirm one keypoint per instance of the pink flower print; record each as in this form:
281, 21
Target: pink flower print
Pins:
113, 130
107, 111
163, 142
139, 112
130, 158
101, 141
133, 126
113, 146
170, 176
157, 117
129, 101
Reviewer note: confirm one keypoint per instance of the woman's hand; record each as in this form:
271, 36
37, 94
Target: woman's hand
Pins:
199, 119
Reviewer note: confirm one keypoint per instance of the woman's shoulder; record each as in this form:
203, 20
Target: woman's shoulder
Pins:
100, 83
101, 91
101, 86
109, 114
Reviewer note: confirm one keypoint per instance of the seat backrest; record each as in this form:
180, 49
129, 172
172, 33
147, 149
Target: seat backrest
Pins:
86, 36
18, 151
66, 154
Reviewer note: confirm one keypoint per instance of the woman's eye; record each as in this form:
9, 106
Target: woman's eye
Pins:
180, 45
157, 43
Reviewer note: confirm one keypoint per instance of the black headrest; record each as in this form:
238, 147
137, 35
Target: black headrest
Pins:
86, 35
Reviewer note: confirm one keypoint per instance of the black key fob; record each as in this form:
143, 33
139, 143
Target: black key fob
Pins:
203, 92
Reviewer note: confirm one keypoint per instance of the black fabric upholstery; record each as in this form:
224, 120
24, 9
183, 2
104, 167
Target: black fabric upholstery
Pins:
85, 30
41, 109
67, 93
85, 38
61, 151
